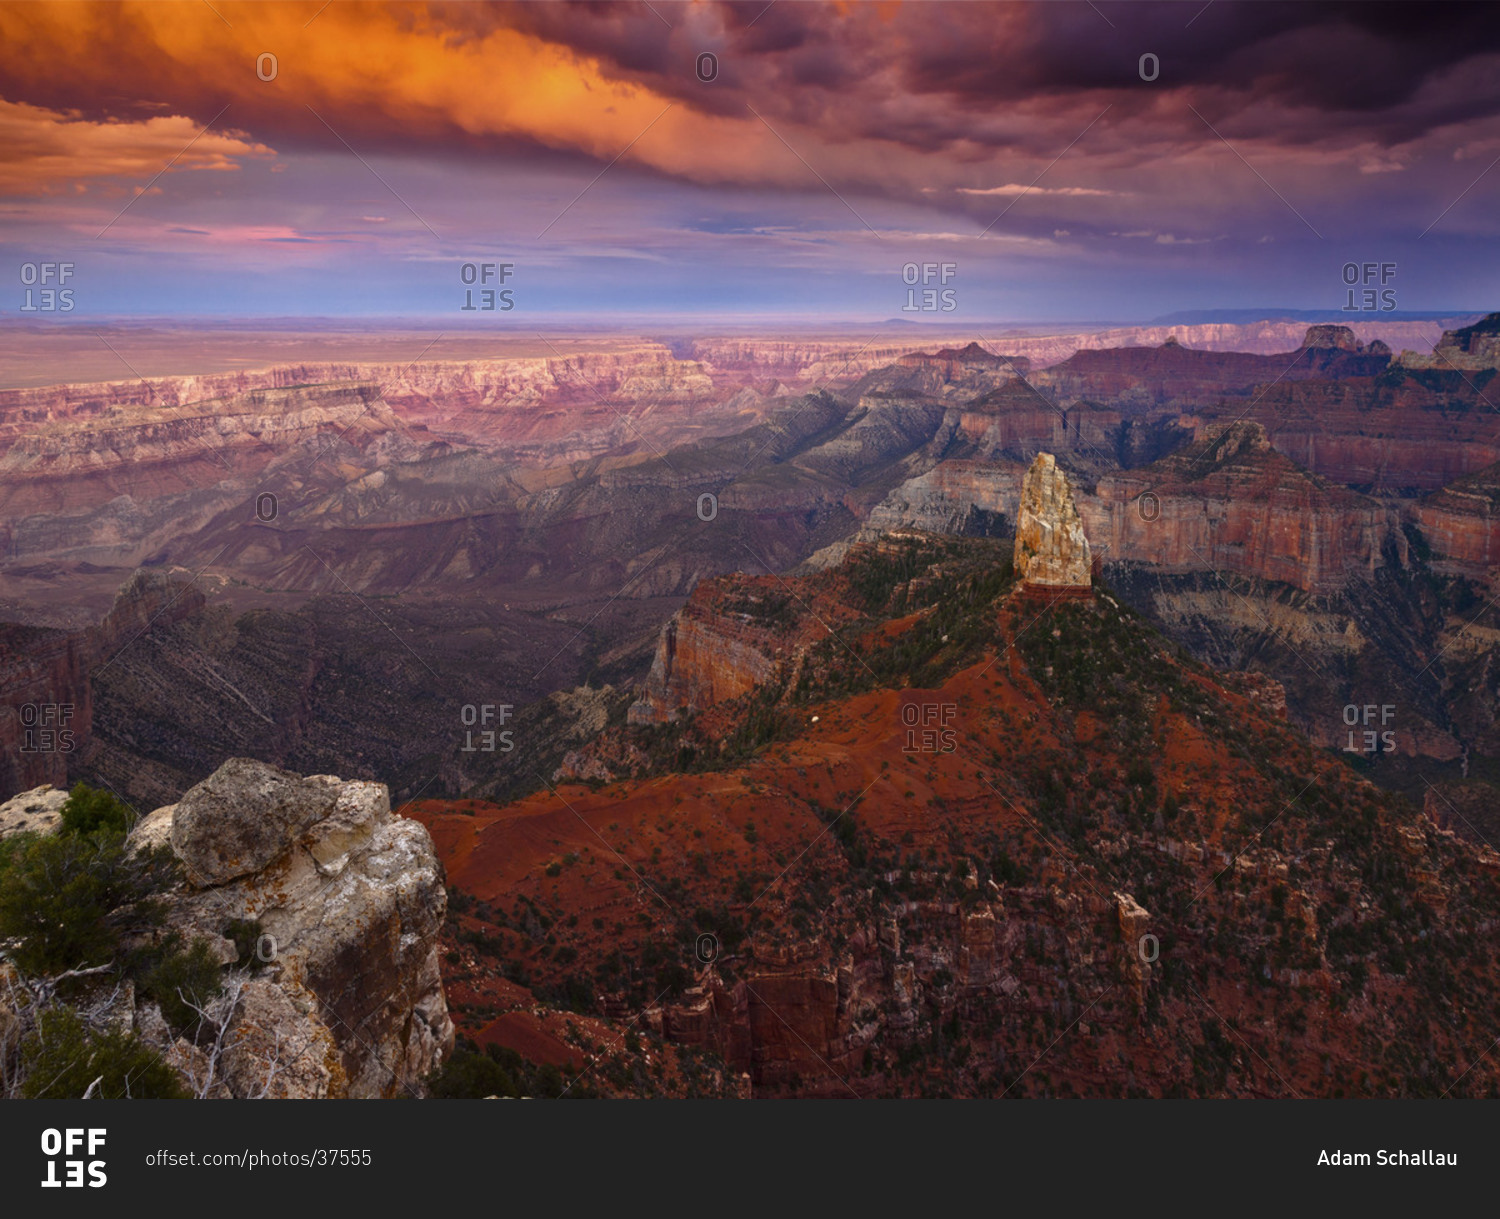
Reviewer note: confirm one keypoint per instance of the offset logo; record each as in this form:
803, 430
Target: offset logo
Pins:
490, 299
1369, 740
933, 300
39, 298
1360, 277
483, 715
70, 1143
929, 727
46, 728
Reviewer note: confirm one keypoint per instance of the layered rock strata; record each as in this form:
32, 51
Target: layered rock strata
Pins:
1230, 502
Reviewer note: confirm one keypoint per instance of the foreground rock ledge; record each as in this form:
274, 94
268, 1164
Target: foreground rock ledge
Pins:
350, 900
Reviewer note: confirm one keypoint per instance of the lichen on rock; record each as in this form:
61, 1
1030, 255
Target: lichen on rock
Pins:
350, 900
321, 909
243, 817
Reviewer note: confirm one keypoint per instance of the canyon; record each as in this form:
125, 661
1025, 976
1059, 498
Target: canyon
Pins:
48, 678
837, 894
687, 597
581, 498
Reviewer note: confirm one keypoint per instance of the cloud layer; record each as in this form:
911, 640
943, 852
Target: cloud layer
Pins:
823, 132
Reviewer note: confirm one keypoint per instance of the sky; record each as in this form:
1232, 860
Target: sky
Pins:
1058, 161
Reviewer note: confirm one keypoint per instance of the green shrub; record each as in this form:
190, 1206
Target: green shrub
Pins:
183, 981
68, 898
62, 1058
471, 1076
246, 934
89, 810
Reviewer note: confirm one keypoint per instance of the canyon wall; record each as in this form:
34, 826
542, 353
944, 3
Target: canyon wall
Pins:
1475, 347
817, 358
1461, 524
1343, 410
953, 497
735, 633
1227, 502
1230, 502
46, 699
111, 485
1173, 375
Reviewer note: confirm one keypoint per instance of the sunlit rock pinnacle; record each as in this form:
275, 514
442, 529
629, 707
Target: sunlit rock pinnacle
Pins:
1051, 550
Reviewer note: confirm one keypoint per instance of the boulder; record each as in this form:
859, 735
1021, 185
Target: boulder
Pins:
350, 901
38, 811
244, 817
278, 1049
152, 830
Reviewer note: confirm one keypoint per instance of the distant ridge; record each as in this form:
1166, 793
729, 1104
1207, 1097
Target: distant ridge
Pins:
1237, 317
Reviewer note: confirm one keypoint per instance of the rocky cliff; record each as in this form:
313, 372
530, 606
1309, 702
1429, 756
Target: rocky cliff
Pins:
1402, 433
733, 635
1475, 347
1017, 421
1342, 409
324, 910
1225, 502
948, 374
111, 482
957, 496
1250, 561
816, 358
1229, 502
1175, 376
1461, 523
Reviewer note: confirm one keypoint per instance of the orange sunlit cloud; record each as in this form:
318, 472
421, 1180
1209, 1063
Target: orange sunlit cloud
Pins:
836, 140
371, 70
41, 150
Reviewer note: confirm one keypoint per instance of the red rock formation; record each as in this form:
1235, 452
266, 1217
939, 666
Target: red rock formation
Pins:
1461, 523
1399, 432
1419, 425
946, 375
1017, 419
945, 499
1475, 347
1338, 337
1230, 502
913, 922
955, 362
1344, 411
702, 658
733, 635
770, 356
1142, 378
